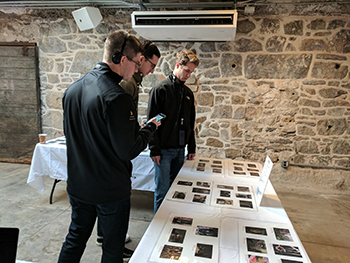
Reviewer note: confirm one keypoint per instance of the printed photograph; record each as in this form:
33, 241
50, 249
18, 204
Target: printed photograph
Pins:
239, 173
207, 231
256, 245
172, 252
201, 165
254, 174
205, 161
283, 234
199, 199
221, 201
217, 170
238, 164
186, 183
247, 196
203, 184
179, 195
251, 165
224, 193
177, 235
216, 166
255, 230
237, 168
247, 204
289, 261
292, 251
182, 220
253, 170
200, 169
258, 259
204, 250
217, 162
225, 186
243, 189
201, 190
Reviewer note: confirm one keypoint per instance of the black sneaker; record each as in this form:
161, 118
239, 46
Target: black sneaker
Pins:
127, 253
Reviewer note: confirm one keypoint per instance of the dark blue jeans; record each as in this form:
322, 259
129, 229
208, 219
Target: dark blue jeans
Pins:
113, 221
171, 161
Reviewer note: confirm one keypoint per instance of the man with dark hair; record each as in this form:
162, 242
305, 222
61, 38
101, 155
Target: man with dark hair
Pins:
148, 61
174, 99
102, 135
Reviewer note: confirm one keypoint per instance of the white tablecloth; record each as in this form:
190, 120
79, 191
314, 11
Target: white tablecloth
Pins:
50, 160
271, 212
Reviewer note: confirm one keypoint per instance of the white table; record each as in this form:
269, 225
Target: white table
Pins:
271, 212
50, 160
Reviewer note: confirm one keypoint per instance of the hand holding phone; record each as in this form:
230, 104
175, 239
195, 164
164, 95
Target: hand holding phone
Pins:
160, 116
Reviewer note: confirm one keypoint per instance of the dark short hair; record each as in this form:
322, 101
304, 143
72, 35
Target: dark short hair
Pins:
115, 41
150, 49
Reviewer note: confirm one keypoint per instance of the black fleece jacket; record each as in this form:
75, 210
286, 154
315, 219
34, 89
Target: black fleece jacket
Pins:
103, 135
165, 98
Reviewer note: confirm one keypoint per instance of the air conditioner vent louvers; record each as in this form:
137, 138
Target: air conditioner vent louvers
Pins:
211, 25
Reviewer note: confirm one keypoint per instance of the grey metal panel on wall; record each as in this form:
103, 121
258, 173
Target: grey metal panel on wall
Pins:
19, 102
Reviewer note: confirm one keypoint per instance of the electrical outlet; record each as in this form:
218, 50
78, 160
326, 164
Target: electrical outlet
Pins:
284, 164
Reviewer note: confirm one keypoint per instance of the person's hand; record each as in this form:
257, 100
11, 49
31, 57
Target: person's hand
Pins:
156, 159
191, 156
154, 120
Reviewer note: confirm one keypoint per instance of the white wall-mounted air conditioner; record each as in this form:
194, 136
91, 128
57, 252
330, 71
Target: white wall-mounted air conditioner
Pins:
212, 25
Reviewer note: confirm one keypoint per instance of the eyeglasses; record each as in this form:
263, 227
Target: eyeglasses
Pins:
138, 65
153, 65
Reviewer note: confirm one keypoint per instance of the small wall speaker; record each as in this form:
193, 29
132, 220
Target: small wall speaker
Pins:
87, 17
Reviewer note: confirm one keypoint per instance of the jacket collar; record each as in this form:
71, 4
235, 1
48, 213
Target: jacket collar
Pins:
103, 66
174, 79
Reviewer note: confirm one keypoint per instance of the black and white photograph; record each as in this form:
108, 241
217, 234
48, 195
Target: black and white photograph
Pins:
182, 220
199, 199
243, 189
292, 251
185, 183
221, 201
179, 195
201, 190
224, 193
256, 230
247, 204
203, 184
207, 231
204, 250
256, 245
246, 196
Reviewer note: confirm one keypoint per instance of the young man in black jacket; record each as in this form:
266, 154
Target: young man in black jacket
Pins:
174, 99
103, 135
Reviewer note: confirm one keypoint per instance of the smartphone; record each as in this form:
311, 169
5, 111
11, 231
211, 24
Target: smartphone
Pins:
160, 116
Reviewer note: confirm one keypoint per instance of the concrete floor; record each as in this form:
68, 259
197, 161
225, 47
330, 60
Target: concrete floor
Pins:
321, 218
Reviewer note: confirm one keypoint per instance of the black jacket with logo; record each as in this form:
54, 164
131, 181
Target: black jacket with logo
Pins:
103, 135
165, 98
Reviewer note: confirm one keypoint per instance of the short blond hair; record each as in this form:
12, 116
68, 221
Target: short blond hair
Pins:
185, 56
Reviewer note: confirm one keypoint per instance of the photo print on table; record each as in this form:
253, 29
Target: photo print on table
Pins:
283, 234
243, 189
225, 186
199, 198
289, 261
179, 195
246, 204
203, 161
185, 183
217, 162
256, 230
204, 250
203, 184
246, 196
217, 170
292, 251
171, 252
221, 201
201, 165
200, 190
177, 235
224, 193
257, 259
239, 173
179, 220
256, 245
207, 231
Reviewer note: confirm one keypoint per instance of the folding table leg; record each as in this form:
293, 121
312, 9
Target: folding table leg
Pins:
53, 189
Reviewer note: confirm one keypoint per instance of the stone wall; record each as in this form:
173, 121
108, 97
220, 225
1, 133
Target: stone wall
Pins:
280, 89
